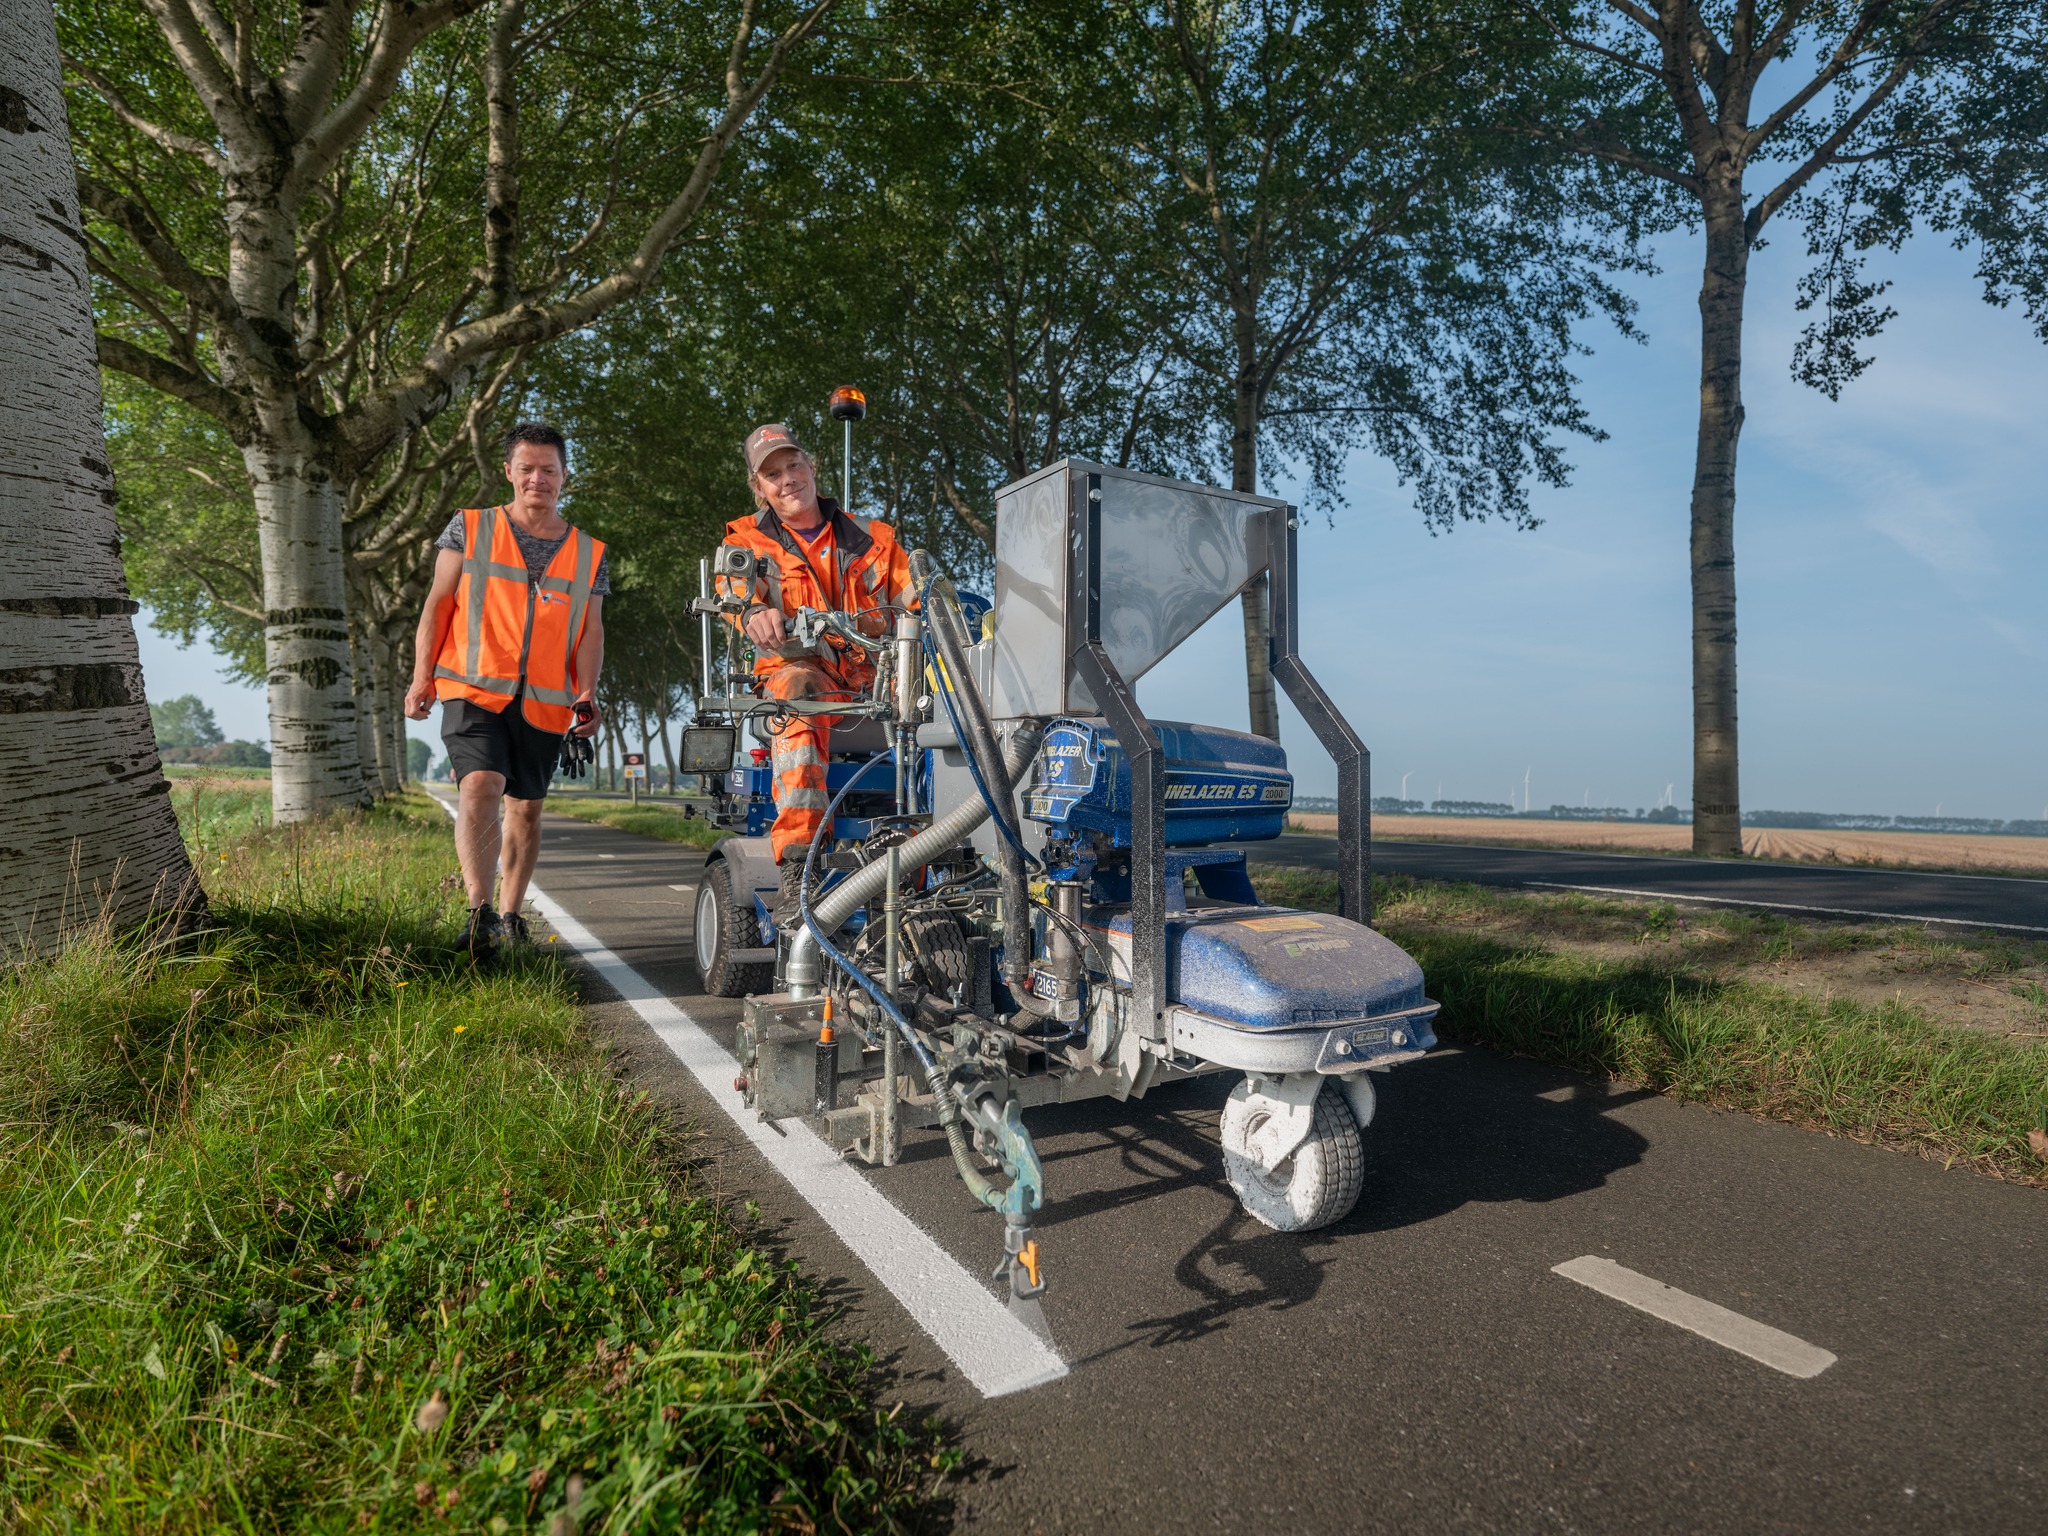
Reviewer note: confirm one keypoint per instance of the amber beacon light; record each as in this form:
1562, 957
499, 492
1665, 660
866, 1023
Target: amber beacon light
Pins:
849, 405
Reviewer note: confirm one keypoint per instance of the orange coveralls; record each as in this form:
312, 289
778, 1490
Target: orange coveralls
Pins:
856, 567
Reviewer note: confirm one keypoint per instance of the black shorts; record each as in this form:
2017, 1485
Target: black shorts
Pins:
479, 740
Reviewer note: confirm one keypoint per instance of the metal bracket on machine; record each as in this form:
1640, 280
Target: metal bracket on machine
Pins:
1345, 745
1142, 749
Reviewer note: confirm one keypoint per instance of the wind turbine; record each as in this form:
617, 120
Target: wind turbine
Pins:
1404, 782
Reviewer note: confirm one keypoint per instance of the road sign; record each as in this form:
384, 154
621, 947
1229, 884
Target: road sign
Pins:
635, 759
635, 771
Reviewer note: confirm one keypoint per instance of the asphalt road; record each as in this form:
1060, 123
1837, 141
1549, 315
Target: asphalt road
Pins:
1986, 901
1418, 1367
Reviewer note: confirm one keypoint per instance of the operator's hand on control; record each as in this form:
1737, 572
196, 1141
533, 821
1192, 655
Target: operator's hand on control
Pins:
587, 716
765, 628
419, 700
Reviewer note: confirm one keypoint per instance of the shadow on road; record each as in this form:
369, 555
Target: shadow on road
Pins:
1458, 1127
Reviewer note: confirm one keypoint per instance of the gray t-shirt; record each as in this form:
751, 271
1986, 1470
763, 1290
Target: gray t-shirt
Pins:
536, 550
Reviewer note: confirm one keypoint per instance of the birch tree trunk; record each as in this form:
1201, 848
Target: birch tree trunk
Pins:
1716, 787
316, 765
1262, 700
85, 824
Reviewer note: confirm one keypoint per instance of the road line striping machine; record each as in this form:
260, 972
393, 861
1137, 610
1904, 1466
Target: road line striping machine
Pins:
1033, 894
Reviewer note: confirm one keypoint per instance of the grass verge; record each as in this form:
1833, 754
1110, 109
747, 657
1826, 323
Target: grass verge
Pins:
311, 1227
649, 818
1541, 976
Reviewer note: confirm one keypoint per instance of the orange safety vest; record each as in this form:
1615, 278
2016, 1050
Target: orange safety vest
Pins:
510, 629
868, 575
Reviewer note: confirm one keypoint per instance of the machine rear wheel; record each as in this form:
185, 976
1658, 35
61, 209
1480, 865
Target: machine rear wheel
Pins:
722, 927
1315, 1184
938, 950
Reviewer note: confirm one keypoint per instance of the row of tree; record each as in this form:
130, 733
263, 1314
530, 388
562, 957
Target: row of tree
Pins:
335, 246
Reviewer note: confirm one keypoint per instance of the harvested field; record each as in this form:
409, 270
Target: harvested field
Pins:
1906, 850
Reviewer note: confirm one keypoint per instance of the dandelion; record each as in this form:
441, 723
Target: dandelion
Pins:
460, 1028
402, 984
433, 1413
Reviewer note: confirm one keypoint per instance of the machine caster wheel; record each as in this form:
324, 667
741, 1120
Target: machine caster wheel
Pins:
722, 927
1317, 1181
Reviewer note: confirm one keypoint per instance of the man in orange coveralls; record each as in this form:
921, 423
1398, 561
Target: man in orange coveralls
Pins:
814, 554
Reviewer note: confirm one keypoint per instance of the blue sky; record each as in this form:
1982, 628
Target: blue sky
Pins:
1891, 558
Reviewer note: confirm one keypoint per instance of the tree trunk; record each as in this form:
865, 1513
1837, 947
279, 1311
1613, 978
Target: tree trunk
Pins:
668, 756
86, 825
387, 745
1716, 787
391, 717
316, 762
1263, 703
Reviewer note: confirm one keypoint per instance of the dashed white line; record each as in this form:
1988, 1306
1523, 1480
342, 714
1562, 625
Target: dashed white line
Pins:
1785, 906
1745, 1335
682, 887
994, 1350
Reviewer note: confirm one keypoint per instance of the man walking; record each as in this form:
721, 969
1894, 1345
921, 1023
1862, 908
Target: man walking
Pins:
813, 554
511, 641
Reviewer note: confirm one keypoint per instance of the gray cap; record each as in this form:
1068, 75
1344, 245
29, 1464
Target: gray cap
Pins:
764, 440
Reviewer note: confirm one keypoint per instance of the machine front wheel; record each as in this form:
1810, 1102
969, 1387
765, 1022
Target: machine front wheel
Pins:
723, 927
1318, 1182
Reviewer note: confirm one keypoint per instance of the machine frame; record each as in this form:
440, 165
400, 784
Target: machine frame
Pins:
1084, 554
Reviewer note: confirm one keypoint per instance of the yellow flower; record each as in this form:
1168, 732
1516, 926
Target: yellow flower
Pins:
460, 1028
402, 983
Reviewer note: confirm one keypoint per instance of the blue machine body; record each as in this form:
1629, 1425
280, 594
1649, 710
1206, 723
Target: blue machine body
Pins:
1221, 786
1275, 968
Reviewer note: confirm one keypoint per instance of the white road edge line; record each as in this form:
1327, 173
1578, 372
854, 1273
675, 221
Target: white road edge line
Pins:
1745, 1335
995, 1351
1784, 906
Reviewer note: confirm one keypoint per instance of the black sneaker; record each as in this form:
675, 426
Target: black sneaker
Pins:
788, 909
513, 926
479, 936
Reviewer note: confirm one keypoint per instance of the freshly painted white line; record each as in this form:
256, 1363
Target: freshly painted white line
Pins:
1784, 906
682, 887
1744, 1335
995, 1351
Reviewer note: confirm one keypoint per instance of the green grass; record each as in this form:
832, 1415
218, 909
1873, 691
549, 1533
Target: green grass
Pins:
217, 811
1882, 1074
309, 1226
650, 818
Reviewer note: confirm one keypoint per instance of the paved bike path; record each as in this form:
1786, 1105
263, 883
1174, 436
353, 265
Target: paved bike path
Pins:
1419, 1367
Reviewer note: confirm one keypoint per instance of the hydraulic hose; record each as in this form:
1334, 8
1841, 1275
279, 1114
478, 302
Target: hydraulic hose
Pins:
816, 931
805, 970
942, 625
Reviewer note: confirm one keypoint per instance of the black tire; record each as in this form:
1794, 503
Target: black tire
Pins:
937, 951
723, 926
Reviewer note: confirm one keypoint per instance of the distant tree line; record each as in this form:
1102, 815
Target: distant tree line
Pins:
1824, 821
1388, 805
186, 732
